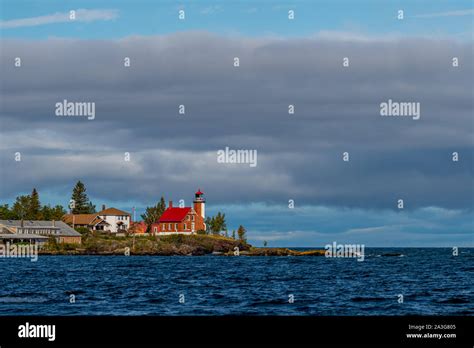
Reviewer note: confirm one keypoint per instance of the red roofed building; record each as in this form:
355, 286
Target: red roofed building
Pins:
186, 220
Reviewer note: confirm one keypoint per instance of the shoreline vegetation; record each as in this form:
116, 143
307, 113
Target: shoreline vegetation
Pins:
172, 245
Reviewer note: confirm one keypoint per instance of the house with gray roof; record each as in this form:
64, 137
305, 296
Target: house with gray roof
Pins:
37, 231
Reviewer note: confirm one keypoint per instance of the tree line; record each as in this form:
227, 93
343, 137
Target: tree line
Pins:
29, 207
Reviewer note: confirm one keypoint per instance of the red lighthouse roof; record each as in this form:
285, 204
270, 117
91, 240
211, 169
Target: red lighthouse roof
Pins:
199, 192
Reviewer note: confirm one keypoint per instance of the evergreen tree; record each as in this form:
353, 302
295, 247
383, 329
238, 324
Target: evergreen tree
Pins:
82, 205
233, 234
52, 213
58, 212
153, 214
5, 212
92, 208
46, 212
217, 223
161, 206
34, 206
220, 222
21, 208
241, 232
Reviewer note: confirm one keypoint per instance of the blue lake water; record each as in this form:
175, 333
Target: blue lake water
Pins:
431, 280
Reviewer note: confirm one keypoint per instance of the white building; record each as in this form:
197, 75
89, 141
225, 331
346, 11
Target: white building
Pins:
118, 220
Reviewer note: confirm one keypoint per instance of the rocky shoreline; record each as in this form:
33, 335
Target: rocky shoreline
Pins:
174, 245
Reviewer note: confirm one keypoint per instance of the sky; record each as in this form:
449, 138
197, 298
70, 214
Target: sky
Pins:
118, 19
282, 62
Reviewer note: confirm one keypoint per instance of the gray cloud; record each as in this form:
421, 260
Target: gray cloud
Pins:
299, 156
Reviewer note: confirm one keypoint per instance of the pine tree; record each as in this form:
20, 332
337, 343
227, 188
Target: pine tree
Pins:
233, 234
52, 213
161, 206
5, 212
241, 231
153, 214
91, 208
82, 205
217, 223
220, 222
21, 208
34, 206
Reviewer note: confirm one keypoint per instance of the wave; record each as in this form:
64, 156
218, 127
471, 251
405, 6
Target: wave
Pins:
16, 299
368, 299
455, 300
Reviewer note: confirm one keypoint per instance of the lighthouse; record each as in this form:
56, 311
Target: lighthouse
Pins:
200, 204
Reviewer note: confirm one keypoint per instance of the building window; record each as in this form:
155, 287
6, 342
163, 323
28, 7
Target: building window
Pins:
192, 226
192, 217
175, 227
185, 226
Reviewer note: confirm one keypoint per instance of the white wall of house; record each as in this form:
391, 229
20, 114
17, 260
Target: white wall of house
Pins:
113, 220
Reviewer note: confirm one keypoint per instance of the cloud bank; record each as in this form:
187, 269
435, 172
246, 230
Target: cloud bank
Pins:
299, 156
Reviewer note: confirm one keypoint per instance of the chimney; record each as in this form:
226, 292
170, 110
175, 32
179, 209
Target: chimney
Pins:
171, 204
103, 206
